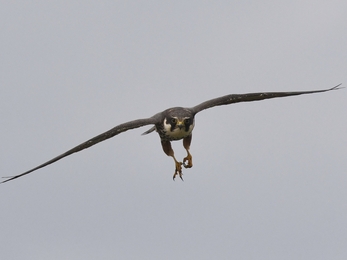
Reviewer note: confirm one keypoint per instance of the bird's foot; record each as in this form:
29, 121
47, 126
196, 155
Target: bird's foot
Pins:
190, 161
178, 170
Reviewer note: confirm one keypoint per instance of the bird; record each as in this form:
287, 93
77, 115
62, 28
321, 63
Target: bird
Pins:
172, 124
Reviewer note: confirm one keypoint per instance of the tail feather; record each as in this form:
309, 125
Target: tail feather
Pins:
149, 131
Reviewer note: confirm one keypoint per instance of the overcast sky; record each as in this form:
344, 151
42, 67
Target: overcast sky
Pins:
269, 179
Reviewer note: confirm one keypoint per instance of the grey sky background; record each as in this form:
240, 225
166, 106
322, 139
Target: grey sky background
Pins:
269, 179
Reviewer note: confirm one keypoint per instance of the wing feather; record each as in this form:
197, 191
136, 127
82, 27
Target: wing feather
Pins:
97, 139
235, 98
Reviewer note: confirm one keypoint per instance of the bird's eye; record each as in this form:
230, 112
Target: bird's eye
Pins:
173, 120
187, 121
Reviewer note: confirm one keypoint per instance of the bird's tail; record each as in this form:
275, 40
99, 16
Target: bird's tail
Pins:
149, 131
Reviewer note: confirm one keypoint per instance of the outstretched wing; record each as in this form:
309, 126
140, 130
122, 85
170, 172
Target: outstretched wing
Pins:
235, 98
97, 139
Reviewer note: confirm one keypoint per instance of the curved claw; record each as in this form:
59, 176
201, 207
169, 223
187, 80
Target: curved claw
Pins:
178, 170
190, 161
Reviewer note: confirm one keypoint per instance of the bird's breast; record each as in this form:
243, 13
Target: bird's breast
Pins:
177, 133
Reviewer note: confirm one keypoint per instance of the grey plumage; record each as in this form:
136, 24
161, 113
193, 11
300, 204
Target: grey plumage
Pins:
180, 126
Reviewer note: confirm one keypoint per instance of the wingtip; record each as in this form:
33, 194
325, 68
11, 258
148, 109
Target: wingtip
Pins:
337, 87
5, 180
8, 179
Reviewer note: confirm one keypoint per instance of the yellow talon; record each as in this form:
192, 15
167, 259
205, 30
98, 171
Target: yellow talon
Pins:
190, 161
178, 170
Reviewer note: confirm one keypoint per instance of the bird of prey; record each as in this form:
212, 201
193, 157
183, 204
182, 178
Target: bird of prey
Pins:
173, 124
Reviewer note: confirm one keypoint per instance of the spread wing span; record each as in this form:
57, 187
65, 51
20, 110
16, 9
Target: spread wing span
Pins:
158, 120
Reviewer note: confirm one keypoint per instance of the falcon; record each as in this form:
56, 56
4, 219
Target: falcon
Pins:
173, 124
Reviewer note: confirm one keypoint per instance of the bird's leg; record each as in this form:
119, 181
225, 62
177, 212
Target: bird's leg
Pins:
186, 144
178, 165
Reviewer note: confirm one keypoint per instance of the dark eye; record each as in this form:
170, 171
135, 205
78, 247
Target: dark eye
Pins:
173, 120
187, 121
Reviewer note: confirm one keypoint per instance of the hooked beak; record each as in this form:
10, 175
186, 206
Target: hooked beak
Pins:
180, 124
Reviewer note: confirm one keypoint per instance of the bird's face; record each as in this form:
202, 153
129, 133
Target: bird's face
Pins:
178, 126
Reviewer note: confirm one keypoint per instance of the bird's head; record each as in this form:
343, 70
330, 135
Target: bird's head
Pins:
178, 122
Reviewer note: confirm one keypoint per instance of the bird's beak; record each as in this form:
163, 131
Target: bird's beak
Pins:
180, 124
